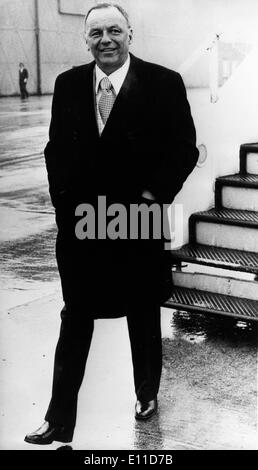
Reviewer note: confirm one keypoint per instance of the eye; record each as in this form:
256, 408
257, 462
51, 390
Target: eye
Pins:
95, 34
115, 31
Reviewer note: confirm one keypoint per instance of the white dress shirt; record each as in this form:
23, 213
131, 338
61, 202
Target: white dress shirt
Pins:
116, 78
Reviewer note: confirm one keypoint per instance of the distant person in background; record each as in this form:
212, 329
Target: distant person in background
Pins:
23, 79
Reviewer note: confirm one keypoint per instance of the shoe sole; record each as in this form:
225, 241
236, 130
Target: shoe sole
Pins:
47, 442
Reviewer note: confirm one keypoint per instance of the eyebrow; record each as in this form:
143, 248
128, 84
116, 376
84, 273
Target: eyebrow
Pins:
95, 28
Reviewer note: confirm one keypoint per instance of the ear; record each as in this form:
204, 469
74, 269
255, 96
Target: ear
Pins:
86, 40
130, 35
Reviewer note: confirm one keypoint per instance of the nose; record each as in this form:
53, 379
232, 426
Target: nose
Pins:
105, 38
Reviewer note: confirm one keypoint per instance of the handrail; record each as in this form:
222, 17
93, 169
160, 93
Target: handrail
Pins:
211, 45
199, 51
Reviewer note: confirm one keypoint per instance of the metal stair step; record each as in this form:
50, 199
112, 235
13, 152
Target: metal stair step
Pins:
240, 181
252, 163
211, 280
249, 158
226, 228
250, 146
238, 192
195, 300
228, 217
236, 260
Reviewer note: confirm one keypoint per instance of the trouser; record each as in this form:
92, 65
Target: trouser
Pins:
23, 90
72, 352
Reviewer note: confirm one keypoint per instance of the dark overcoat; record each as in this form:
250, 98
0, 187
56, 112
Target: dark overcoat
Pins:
23, 75
148, 143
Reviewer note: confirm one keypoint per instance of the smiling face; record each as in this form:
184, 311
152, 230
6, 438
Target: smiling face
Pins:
108, 37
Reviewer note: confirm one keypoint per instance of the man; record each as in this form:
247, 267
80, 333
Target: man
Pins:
23, 79
122, 128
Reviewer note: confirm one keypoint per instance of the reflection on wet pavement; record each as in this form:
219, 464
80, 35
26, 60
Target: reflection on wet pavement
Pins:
23, 127
31, 258
212, 377
197, 328
28, 267
65, 448
27, 231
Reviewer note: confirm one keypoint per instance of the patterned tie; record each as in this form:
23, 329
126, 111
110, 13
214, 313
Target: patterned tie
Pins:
107, 99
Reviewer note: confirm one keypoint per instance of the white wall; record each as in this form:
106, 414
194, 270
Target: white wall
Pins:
166, 32
222, 127
17, 44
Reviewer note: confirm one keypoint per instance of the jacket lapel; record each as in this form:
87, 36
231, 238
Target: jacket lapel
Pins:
125, 116
86, 102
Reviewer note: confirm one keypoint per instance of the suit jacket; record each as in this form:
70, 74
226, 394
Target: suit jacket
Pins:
148, 143
23, 75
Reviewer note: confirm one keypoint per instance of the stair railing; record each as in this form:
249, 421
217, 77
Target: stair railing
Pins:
211, 46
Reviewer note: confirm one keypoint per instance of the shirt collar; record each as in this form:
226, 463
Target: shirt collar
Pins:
116, 78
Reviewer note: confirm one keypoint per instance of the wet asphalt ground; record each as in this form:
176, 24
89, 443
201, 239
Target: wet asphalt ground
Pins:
208, 395
27, 230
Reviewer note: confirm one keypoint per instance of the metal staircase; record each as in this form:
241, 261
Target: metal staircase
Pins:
217, 271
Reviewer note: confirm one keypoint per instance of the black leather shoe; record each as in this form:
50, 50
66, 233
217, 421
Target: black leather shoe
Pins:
145, 409
48, 433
